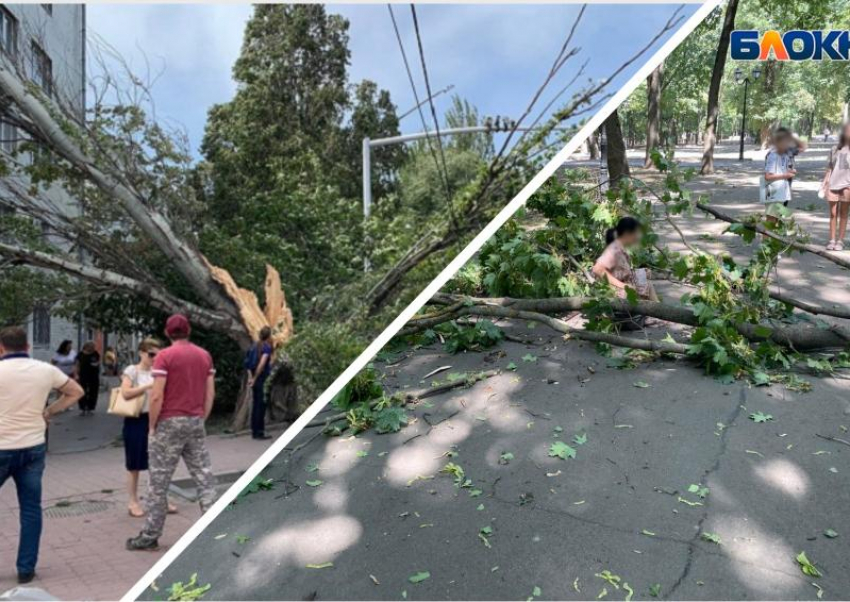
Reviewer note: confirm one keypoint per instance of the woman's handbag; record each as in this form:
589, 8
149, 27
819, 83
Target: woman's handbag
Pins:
129, 408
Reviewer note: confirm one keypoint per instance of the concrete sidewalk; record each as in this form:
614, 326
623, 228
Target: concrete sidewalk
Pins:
85, 509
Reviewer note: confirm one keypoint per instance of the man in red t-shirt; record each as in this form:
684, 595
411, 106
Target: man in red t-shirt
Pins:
180, 402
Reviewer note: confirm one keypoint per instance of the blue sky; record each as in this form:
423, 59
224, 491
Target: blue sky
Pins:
495, 55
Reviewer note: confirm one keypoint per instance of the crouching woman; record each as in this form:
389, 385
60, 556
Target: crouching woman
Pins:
615, 265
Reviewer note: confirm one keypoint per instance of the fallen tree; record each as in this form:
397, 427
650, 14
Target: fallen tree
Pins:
736, 322
802, 337
126, 178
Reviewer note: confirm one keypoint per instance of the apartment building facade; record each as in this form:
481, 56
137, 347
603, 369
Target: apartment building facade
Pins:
49, 42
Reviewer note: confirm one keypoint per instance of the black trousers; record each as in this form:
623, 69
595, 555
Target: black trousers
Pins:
258, 409
91, 389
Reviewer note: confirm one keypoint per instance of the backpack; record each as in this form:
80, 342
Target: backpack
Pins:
252, 358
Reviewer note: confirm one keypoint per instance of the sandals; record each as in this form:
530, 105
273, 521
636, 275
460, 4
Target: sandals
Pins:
831, 245
136, 513
838, 246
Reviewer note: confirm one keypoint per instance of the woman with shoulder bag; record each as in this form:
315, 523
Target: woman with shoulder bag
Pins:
137, 380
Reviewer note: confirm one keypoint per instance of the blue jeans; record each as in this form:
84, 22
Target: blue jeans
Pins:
25, 467
258, 411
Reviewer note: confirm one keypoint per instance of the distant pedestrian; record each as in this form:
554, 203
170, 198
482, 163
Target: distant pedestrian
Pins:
779, 171
26, 387
65, 357
138, 380
180, 401
836, 190
258, 362
110, 361
88, 375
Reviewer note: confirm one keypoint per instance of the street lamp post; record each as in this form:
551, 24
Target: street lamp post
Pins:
740, 78
501, 124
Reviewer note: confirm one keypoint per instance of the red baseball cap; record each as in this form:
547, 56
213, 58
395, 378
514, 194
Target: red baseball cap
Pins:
177, 325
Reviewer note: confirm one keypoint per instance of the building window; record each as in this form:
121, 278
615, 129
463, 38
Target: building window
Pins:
42, 69
41, 326
48, 8
8, 136
8, 32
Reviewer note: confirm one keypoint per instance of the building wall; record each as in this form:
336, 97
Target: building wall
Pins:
59, 30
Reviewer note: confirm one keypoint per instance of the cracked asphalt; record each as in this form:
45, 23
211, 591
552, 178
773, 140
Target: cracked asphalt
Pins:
387, 513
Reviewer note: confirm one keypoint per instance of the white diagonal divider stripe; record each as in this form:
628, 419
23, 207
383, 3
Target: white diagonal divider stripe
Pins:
458, 262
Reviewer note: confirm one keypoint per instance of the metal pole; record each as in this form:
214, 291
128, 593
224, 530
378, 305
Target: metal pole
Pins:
367, 190
367, 178
743, 119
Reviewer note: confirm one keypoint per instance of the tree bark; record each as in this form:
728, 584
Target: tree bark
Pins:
618, 162
709, 137
653, 117
593, 147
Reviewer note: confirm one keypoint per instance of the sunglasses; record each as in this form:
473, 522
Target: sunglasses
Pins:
151, 354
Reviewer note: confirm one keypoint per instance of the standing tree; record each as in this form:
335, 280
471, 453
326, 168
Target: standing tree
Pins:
618, 162
709, 138
653, 119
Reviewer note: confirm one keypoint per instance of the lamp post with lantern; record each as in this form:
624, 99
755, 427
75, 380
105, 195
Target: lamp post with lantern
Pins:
740, 78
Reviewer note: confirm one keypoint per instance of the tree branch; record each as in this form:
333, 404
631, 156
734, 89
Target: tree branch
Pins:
157, 297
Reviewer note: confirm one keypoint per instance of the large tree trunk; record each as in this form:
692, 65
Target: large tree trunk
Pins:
653, 117
618, 162
709, 138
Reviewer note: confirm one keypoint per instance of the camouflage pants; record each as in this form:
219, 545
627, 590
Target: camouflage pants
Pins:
175, 438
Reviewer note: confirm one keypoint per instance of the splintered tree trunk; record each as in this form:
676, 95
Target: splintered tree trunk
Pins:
653, 117
618, 162
709, 138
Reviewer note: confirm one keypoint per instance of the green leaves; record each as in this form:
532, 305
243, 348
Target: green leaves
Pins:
528, 357
390, 420
830, 533
323, 565
419, 577
806, 566
456, 470
505, 458
712, 537
580, 439
188, 591
759, 417
313, 483
655, 590
701, 491
258, 483
559, 449
484, 534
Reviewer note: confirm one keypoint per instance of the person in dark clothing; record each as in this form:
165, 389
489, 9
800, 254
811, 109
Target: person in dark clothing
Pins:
258, 362
88, 375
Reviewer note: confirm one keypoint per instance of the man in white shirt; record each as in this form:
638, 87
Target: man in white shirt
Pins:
25, 386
